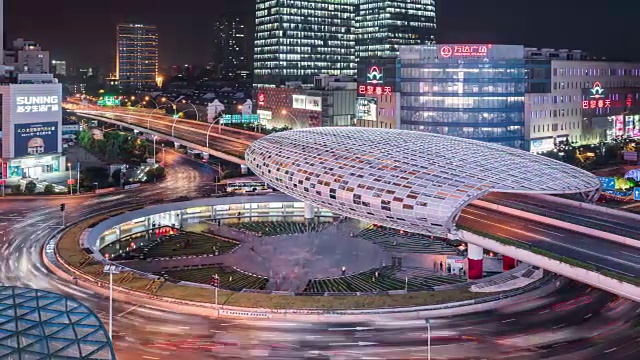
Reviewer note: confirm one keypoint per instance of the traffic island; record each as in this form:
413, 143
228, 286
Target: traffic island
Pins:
75, 259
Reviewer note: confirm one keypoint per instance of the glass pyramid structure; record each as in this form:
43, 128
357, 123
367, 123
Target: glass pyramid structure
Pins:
37, 324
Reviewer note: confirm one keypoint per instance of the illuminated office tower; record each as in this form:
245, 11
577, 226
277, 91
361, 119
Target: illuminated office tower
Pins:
296, 40
382, 26
137, 55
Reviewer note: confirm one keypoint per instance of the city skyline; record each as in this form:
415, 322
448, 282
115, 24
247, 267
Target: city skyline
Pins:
183, 31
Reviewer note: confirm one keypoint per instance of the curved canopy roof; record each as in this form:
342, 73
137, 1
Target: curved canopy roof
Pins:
37, 324
409, 180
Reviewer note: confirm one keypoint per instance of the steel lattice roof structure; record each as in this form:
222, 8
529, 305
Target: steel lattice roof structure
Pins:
37, 324
404, 179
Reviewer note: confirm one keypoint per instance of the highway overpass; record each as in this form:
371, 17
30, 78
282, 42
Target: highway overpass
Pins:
223, 142
607, 261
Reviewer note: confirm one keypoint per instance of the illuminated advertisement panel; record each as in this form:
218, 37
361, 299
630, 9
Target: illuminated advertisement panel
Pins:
35, 139
450, 51
367, 109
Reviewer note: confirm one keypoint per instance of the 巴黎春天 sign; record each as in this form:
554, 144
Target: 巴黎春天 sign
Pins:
37, 104
35, 139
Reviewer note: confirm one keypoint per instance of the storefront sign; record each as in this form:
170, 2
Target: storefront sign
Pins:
375, 76
262, 99
374, 90
464, 50
5, 170
597, 100
35, 104
35, 139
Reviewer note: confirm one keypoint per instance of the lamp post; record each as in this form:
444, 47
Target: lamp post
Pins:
175, 108
176, 117
154, 149
70, 179
151, 114
111, 269
194, 109
285, 112
428, 338
211, 125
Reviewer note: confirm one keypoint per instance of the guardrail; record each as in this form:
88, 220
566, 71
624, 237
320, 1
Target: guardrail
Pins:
592, 274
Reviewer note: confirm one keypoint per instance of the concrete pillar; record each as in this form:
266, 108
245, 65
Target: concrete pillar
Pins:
508, 263
309, 211
177, 145
118, 232
244, 169
213, 212
474, 262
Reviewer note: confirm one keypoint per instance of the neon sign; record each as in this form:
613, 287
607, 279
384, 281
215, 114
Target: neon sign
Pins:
447, 51
374, 90
262, 99
34, 104
597, 98
375, 75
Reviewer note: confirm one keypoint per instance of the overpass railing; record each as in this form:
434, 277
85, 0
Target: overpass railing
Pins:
567, 260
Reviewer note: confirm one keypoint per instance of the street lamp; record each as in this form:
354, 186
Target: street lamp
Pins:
175, 119
285, 112
111, 269
175, 108
154, 149
151, 114
70, 179
428, 338
211, 125
194, 109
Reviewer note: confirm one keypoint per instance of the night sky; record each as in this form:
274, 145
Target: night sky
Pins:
82, 32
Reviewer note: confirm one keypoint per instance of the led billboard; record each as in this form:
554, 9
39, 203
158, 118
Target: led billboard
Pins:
35, 139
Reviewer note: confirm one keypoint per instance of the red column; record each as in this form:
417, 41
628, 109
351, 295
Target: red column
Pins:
475, 254
508, 263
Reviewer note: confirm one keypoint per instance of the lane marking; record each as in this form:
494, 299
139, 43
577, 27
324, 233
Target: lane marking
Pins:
634, 255
129, 310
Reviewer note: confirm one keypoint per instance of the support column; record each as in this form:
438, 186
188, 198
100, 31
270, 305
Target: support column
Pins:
244, 169
309, 211
475, 255
508, 263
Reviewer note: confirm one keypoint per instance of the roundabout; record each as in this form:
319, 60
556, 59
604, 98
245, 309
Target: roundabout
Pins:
370, 283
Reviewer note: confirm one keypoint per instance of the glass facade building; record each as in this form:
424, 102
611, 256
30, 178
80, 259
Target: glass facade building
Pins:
469, 91
296, 40
382, 26
137, 55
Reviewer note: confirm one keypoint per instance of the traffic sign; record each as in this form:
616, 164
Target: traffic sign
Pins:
636, 193
607, 183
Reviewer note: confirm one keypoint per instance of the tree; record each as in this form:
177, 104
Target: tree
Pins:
30, 187
49, 189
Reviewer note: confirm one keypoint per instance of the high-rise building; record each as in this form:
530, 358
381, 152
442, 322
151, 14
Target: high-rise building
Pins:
382, 26
59, 67
27, 57
231, 49
137, 55
296, 40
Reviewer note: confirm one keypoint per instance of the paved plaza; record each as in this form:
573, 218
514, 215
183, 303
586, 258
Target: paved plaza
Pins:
289, 261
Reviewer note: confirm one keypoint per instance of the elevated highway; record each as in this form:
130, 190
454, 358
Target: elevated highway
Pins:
219, 141
602, 256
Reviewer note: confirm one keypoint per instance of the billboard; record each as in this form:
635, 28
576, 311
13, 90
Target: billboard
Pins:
35, 139
264, 115
367, 109
299, 102
313, 103
34, 103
